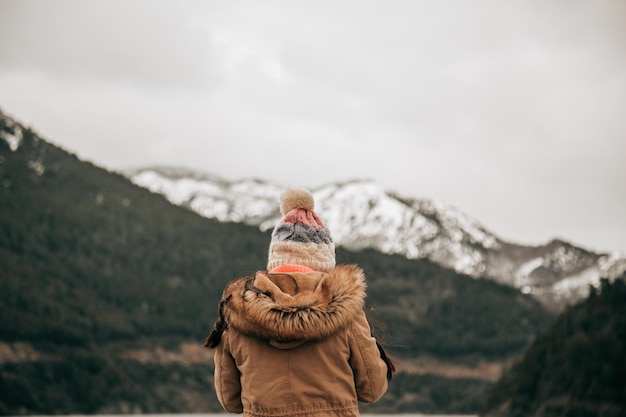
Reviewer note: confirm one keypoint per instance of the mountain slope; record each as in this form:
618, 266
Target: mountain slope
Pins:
577, 368
362, 215
93, 266
74, 232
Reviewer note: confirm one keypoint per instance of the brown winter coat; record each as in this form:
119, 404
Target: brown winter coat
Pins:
297, 344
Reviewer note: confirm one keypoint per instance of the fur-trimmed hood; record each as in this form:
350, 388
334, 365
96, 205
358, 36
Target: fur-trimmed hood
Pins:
288, 309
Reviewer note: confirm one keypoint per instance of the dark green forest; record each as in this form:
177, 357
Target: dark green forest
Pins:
577, 368
93, 266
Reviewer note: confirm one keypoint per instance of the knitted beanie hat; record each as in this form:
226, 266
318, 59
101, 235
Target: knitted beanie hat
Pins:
300, 237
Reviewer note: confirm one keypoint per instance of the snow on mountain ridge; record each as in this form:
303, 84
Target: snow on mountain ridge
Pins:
211, 196
360, 215
454, 218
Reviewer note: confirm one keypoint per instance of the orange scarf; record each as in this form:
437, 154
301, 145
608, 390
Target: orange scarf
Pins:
291, 268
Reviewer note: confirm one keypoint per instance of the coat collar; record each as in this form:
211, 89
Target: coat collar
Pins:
294, 307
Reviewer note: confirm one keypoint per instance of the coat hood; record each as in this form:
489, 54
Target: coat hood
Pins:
291, 308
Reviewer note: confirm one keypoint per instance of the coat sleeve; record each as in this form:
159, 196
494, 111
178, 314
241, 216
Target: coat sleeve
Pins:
226, 378
370, 371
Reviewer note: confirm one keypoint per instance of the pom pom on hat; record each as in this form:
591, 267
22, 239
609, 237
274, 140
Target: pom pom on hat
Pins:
295, 198
300, 238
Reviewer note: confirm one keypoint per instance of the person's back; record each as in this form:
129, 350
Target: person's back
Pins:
295, 340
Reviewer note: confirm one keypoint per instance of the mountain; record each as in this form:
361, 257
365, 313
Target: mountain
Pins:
107, 292
96, 274
362, 215
577, 368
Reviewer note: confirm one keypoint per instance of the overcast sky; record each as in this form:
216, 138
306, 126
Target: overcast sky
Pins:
512, 111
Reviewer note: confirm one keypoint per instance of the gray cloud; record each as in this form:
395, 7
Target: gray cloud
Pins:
510, 111
137, 41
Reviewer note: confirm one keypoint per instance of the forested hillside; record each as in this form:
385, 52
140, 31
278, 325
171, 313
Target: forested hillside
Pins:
104, 287
87, 257
578, 368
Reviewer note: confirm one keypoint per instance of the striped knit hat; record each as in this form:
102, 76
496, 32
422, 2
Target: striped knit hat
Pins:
300, 238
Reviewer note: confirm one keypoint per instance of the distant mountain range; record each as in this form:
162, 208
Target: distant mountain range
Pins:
360, 214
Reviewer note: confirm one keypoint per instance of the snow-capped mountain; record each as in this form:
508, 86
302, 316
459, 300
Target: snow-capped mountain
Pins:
361, 215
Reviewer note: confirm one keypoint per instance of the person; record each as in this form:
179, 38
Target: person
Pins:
294, 339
